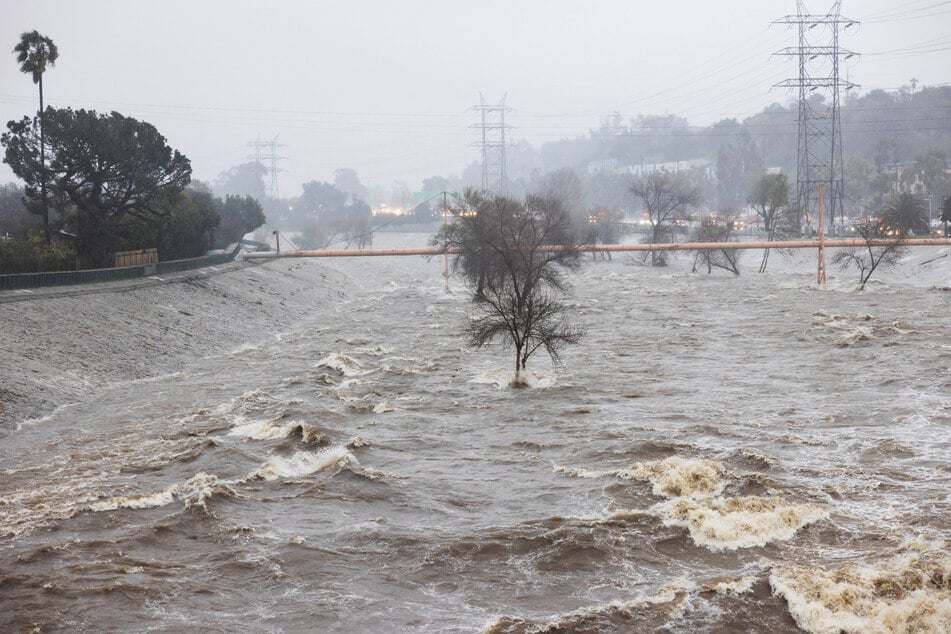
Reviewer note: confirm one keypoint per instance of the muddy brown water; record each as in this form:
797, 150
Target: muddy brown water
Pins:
720, 455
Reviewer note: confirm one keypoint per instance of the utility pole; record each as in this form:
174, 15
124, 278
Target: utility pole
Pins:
820, 127
821, 278
270, 155
492, 126
930, 210
445, 219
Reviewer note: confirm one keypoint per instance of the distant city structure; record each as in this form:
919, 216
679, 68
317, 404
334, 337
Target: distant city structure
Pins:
613, 167
267, 151
492, 127
820, 130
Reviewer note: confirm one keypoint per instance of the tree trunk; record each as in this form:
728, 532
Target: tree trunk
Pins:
770, 235
46, 211
654, 235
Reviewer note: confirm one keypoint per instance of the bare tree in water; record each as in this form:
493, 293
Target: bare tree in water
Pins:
769, 198
513, 255
666, 197
710, 230
896, 223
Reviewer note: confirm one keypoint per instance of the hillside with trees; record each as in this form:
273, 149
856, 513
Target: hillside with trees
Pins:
893, 142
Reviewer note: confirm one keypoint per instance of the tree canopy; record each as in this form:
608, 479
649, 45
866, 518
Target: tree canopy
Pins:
34, 53
325, 213
512, 254
246, 179
899, 217
239, 215
665, 197
106, 168
711, 229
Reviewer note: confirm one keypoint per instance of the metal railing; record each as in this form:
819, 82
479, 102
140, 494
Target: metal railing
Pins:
95, 276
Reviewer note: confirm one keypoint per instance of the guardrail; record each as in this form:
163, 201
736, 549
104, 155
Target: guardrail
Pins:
95, 276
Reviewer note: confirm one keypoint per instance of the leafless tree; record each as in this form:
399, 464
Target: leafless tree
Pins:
769, 198
710, 230
513, 256
666, 197
895, 224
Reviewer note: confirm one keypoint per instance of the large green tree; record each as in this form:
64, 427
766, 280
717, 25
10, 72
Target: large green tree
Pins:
239, 215
347, 181
34, 53
904, 214
110, 169
184, 226
246, 179
932, 170
329, 215
320, 201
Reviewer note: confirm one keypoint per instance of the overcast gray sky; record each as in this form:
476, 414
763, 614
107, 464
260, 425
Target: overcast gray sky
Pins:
385, 87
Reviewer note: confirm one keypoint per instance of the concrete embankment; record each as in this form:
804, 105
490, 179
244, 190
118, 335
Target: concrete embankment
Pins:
61, 345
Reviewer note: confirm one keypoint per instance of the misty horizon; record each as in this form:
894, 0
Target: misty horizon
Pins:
389, 91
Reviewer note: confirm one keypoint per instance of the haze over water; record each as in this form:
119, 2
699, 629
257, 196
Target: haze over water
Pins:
721, 454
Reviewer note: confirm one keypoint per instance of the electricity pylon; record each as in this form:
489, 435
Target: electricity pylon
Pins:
492, 126
260, 155
820, 127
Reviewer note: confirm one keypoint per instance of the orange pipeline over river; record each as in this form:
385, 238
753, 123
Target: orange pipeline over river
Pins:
600, 248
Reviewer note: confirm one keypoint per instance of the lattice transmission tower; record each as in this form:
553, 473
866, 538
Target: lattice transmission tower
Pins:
492, 126
820, 127
267, 151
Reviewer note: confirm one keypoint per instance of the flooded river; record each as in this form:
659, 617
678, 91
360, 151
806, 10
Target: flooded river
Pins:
720, 455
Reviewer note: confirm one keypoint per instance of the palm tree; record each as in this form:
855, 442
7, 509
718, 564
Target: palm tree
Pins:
34, 53
904, 214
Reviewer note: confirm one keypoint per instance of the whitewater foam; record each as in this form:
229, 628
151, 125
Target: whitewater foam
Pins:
303, 463
579, 472
728, 586
743, 522
910, 592
505, 378
195, 491
342, 363
266, 430
673, 598
677, 477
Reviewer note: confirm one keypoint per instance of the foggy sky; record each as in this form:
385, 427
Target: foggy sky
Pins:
385, 87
